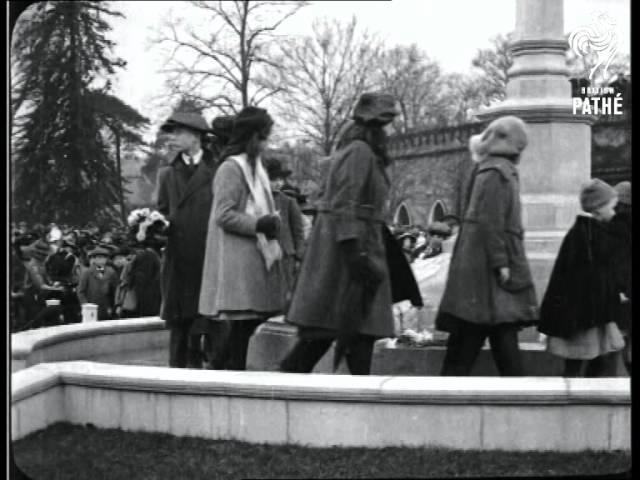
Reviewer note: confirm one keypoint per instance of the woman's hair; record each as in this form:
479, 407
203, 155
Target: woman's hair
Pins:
372, 134
249, 144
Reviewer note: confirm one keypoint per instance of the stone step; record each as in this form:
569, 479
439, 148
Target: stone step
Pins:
270, 345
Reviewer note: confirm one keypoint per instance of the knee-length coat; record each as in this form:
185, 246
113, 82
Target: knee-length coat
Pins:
491, 237
352, 207
186, 202
235, 277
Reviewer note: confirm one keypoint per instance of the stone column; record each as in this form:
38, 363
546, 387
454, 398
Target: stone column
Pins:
558, 158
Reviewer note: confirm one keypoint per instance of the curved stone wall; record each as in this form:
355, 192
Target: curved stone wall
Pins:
82, 341
328, 410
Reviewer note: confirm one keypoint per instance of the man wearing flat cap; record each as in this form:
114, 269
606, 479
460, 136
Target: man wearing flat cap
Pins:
185, 198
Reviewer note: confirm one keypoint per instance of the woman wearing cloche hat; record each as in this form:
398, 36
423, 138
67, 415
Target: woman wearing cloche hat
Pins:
344, 288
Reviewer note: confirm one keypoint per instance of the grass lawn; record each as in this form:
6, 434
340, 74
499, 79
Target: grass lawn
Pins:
65, 451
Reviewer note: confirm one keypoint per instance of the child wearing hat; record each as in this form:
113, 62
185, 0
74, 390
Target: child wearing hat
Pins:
581, 307
98, 283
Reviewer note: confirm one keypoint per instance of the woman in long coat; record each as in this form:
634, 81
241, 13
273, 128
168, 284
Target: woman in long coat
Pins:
142, 276
489, 291
344, 289
241, 275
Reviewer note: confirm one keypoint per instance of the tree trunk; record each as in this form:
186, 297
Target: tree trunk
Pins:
123, 213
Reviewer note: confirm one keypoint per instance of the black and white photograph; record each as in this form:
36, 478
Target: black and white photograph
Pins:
318, 239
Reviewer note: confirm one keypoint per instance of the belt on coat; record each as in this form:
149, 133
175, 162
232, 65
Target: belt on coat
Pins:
366, 213
510, 231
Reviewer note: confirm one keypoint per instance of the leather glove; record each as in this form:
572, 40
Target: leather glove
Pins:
269, 225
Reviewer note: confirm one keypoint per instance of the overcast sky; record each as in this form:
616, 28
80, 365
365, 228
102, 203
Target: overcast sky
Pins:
450, 31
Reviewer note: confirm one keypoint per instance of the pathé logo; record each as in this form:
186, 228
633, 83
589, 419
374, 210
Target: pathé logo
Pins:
601, 38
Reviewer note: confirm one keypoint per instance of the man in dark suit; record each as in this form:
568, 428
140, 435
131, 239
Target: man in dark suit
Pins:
291, 236
185, 198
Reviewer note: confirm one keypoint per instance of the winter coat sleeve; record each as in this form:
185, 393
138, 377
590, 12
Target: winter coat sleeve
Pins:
297, 228
491, 208
350, 181
82, 286
229, 187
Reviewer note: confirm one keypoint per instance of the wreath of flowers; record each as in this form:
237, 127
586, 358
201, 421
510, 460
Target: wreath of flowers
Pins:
144, 218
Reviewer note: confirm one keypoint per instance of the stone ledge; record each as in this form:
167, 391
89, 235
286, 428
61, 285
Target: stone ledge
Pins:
24, 343
34, 380
319, 387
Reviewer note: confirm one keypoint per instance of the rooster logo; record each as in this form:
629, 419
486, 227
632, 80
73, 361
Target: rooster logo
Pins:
601, 38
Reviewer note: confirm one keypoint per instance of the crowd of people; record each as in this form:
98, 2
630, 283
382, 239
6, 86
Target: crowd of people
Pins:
57, 268
420, 243
242, 246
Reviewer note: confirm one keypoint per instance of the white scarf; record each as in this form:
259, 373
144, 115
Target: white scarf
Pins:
260, 203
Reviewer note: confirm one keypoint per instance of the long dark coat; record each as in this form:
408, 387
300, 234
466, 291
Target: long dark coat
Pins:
583, 290
186, 203
352, 207
491, 237
144, 278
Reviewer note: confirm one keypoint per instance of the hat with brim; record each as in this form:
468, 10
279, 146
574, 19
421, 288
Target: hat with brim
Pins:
99, 251
375, 108
191, 121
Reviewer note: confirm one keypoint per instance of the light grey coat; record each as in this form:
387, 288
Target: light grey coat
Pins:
235, 277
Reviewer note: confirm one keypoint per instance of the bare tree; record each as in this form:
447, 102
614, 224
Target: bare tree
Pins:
408, 74
229, 54
494, 63
324, 74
